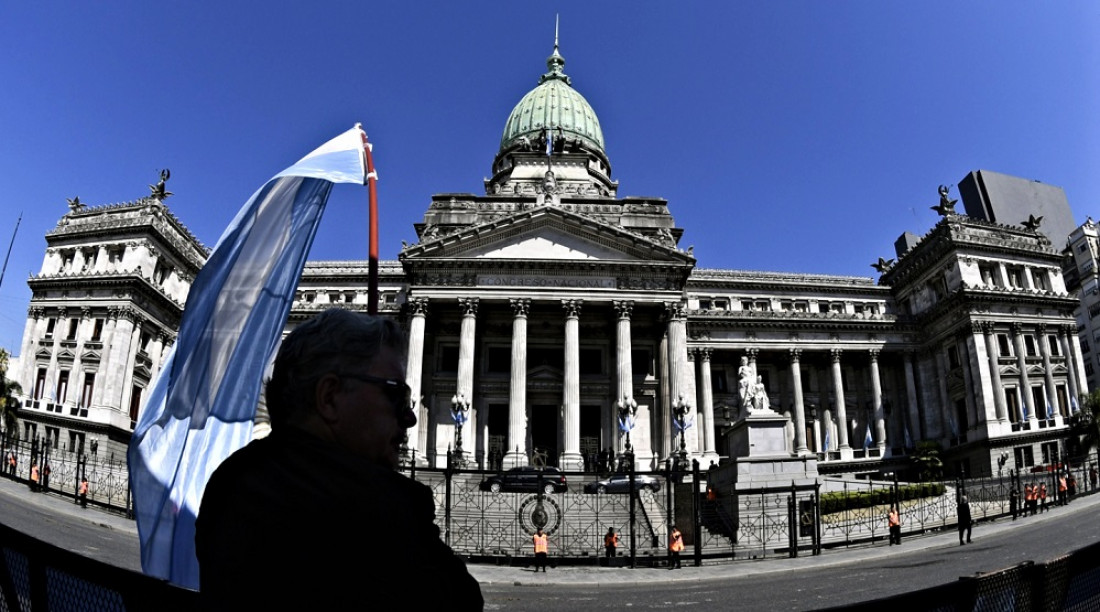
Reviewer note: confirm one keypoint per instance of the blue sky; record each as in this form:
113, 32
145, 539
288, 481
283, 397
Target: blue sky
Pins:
793, 136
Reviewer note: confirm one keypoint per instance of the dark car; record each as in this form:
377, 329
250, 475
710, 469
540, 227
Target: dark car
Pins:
526, 480
620, 483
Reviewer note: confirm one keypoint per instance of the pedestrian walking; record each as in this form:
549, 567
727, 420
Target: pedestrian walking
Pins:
894, 521
1014, 502
675, 545
965, 522
610, 544
82, 492
542, 549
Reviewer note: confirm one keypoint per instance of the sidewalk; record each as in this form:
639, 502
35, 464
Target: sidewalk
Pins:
594, 576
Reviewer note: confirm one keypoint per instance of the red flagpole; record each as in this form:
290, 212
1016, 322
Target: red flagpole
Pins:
372, 242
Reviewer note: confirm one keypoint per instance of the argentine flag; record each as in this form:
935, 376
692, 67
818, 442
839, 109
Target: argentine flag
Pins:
867, 441
1073, 404
827, 438
203, 402
1050, 410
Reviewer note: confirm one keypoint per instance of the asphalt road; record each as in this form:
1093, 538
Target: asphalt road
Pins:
836, 578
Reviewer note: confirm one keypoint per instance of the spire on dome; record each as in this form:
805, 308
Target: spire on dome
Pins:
555, 63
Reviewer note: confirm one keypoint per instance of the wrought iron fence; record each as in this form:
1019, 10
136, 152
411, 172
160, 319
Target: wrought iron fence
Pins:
60, 471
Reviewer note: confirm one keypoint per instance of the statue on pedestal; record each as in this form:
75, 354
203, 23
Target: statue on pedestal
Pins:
745, 386
760, 401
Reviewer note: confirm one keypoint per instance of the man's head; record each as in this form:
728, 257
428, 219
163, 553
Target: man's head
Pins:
341, 376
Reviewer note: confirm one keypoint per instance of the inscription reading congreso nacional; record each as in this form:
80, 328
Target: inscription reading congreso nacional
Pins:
546, 281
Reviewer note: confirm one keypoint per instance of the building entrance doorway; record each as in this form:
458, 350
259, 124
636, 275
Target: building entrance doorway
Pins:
545, 431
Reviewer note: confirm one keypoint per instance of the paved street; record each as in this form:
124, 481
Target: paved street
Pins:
837, 577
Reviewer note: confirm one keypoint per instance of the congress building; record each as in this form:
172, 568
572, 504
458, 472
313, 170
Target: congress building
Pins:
550, 319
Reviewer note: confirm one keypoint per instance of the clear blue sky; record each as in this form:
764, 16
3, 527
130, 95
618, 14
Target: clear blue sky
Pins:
787, 136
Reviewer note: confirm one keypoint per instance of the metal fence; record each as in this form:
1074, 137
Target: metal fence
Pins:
60, 471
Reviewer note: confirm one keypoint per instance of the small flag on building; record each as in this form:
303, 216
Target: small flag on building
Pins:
867, 441
827, 438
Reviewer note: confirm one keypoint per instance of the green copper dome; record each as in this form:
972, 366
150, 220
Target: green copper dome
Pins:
554, 104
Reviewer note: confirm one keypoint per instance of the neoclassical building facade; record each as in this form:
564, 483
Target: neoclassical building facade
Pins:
551, 319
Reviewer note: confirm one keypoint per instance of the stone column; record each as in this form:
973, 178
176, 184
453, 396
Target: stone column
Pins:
465, 383
799, 410
571, 388
876, 403
706, 400
677, 359
995, 371
1025, 381
1067, 337
516, 454
663, 421
135, 339
948, 428
414, 376
624, 368
913, 409
1048, 377
841, 409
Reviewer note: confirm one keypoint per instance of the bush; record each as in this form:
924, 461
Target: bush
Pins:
839, 501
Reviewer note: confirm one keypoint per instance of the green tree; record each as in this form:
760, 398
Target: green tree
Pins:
1085, 425
9, 404
926, 461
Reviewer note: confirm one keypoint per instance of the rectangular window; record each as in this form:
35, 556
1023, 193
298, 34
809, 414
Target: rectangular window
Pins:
641, 362
74, 324
50, 324
1050, 452
1052, 343
721, 304
52, 435
448, 358
718, 383
76, 442
591, 361
498, 360
705, 305
135, 405
86, 394
1024, 457
953, 357
1029, 345
1013, 404
1004, 347
62, 386
97, 330
40, 383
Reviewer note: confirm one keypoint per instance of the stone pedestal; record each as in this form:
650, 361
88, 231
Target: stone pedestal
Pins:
760, 456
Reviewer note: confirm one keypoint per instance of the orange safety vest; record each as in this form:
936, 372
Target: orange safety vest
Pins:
611, 539
1043, 492
1061, 483
677, 543
84, 487
34, 473
1029, 493
894, 520
540, 543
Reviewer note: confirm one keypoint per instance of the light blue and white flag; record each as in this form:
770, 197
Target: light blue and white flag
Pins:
202, 404
827, 438
867, 441
1073, 404
1050, 410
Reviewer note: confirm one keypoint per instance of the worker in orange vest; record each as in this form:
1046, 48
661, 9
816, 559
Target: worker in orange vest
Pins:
542, 549
1043, 497
894, 521
675, 545
34, 477
82, 492
1062, 490
610, 543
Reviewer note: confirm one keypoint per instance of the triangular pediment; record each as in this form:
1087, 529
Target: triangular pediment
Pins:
546, 233
549, 243
90, 357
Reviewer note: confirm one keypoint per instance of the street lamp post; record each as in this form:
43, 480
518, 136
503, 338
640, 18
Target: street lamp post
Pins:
627, 409
681, 411
460, 410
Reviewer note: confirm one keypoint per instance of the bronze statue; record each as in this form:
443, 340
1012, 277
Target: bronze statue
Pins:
882, 265
1032, 222
946, 206
158, 191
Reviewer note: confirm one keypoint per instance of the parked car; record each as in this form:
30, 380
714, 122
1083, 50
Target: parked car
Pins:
620, 483
526, 480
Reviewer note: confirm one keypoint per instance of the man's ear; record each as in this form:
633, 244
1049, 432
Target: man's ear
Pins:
324, 396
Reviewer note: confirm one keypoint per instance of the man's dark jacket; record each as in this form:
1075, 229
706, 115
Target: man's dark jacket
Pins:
291, 520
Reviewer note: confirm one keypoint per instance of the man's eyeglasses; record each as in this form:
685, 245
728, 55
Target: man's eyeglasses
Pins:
397, 391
